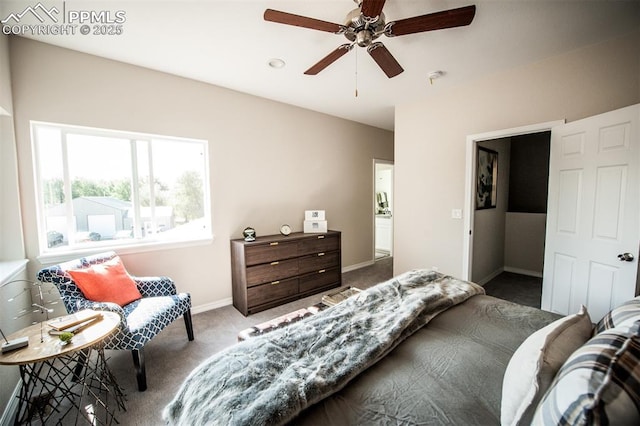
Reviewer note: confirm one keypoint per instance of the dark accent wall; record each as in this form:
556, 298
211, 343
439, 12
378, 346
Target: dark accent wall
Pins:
529, 173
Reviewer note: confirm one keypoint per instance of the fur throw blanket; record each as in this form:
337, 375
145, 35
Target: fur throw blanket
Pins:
269, 379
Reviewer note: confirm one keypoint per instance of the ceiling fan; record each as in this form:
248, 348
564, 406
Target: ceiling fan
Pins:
366, 23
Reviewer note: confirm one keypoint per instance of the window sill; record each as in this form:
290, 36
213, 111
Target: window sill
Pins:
51, 258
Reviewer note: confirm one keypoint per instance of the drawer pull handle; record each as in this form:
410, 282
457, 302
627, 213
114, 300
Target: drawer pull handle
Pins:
320, 254
275, 282
320, 237
275, 243
274, 263
322, 271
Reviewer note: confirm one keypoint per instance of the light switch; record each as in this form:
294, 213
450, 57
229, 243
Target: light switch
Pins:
456, 213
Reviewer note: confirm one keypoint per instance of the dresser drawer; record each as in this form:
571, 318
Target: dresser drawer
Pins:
269, 252
268, 272
321, 243
317, 280
266, 293
316, 262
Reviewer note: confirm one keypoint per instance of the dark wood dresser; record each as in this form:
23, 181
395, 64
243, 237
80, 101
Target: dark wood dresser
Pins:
277, 269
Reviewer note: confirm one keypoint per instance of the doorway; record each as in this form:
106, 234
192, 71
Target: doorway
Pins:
383, 208
493, 226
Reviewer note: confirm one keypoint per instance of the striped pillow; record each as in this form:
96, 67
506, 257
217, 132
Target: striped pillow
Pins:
599, 383
624, 315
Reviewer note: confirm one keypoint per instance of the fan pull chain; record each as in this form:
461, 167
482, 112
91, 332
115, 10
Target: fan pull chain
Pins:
356, 76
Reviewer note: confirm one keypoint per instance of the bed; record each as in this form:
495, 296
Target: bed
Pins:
459, 357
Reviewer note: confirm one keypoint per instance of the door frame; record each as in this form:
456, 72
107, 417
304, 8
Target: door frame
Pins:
377, 161
469, 186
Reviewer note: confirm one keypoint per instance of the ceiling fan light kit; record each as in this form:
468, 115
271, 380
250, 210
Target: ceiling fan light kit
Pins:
366, 23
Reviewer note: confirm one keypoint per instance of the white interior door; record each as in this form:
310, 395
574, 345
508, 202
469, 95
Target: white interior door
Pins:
593, 214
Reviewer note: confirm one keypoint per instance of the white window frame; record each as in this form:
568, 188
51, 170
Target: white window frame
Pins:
137, 244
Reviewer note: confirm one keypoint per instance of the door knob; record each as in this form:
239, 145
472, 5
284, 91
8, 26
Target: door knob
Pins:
625, 257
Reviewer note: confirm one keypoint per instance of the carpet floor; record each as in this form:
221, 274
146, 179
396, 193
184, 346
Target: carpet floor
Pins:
522, 289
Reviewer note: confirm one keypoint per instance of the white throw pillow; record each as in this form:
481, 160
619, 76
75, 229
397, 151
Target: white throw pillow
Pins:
535, 363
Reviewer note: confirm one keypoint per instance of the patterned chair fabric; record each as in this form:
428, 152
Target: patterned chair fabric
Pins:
140, 320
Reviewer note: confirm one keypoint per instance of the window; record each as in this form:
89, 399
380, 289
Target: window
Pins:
104, 188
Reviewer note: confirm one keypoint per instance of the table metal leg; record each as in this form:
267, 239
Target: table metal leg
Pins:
99, 388
45, 395
80, 382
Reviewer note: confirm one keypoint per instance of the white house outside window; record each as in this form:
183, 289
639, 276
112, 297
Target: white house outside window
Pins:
105, 188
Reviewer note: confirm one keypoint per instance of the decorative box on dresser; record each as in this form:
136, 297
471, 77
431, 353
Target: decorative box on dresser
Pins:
277, 269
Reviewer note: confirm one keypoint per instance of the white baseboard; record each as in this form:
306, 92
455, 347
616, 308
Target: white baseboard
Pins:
211, 306
490, 276
523, 272
358, 266
508, 269
11, 409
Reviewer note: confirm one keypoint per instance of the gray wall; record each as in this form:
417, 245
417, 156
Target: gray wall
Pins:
568, 86
529, 173
269, 161
489, 227
11, 243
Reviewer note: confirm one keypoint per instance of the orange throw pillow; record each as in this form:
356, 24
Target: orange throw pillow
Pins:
106, 282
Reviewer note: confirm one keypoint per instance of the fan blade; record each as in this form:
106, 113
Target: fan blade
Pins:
384, 59
329, 59
372, 8
433, 21
301, 21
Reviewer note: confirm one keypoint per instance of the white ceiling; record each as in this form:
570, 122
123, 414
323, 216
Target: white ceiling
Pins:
227, 43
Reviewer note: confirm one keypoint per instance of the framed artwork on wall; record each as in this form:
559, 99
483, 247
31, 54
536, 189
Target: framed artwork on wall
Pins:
486, 179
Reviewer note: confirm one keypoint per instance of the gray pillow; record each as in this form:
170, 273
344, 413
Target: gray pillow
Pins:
536, 362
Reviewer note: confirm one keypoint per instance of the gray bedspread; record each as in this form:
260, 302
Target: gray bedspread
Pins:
447, 373
269, 379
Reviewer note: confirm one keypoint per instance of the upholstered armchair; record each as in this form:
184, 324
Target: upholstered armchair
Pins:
140, 320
